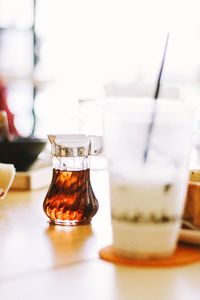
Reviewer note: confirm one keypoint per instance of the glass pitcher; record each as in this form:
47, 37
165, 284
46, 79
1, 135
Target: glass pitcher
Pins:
70, 199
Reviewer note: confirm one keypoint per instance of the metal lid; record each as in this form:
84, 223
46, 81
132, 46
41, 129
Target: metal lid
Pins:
71, 145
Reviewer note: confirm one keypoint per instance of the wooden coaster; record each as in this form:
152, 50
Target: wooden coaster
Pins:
184, 254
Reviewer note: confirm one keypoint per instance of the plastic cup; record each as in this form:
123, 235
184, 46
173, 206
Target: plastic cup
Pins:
147, 197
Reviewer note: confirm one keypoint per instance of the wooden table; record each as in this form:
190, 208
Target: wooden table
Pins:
41, 261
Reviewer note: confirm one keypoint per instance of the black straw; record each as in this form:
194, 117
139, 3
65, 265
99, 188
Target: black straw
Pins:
156, 94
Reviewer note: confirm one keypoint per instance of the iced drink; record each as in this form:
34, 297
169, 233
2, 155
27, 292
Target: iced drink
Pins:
147, 197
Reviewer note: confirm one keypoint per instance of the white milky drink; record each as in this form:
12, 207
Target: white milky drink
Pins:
147, 197
146, 212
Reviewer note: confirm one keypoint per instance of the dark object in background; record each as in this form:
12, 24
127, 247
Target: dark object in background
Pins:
22, 152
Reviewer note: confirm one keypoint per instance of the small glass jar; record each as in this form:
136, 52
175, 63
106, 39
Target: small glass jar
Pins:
70, 199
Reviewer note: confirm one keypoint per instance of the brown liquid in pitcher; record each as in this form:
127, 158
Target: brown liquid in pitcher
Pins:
70, 199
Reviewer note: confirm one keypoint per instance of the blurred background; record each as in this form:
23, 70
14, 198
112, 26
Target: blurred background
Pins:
56, 57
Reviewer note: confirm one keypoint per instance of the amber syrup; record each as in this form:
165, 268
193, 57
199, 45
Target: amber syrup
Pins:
70, 199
